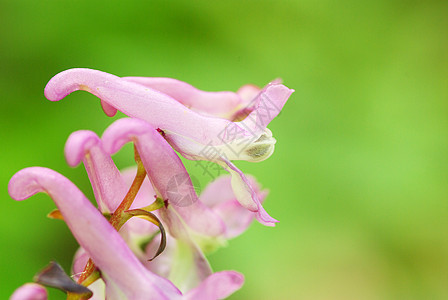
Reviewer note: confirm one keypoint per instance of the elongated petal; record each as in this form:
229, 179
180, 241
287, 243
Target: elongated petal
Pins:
30, 291
219, 196
119, 267
218, 104
219, 285
246, 194
166, 172
267, 105
132, 99
187, 131
108, 186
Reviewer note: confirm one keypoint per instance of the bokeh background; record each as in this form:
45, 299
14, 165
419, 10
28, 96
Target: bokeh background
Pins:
359, 178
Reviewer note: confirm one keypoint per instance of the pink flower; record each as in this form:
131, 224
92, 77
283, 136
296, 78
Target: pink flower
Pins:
167, 113
218, 127
194, 225
163, 167
124, 275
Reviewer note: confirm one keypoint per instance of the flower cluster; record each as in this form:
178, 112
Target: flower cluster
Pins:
115, 238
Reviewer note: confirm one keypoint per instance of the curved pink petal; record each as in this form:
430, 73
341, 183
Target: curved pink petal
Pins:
108, 186
267, 105
119, 266
132, 99
246, 195
219, 285
219, 196
80, 260
218, 104
166, 172
187, 131
30, 291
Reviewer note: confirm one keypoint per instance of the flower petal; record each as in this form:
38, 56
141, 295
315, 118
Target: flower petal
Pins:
219, 196
219, 285
247, 93
80, 260
131, 98
108, 109
168, 175
267, 105
30, 291
119, 266
218, 104
108, 186
246, 194
187, 131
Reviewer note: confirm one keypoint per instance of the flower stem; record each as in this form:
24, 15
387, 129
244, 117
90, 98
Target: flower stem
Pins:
117, 219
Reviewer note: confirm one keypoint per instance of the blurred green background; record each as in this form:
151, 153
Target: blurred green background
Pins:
359, 178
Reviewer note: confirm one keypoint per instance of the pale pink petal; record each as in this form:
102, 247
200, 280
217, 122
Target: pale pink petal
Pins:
248, 92
219, 196
187, 131
246, 195
219, 285
30, 291
165, 171
218, 104
267, 105
158, 109
108, 186
80, 260
218, 191
120, 269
